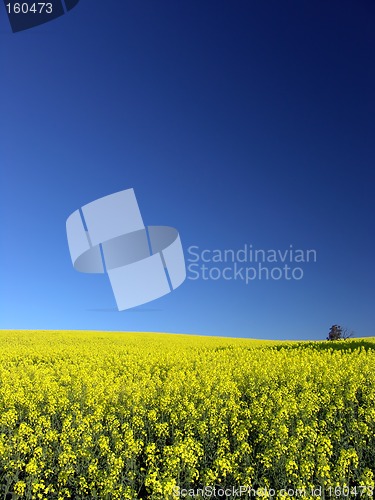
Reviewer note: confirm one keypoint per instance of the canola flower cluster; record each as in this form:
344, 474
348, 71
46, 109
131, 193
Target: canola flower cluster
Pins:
110, 415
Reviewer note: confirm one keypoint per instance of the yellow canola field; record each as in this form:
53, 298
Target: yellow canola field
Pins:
111, 415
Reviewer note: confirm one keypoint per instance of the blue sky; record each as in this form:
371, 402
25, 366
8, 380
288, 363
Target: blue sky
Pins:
235, 122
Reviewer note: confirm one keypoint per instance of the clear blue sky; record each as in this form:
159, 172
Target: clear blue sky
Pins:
246, 122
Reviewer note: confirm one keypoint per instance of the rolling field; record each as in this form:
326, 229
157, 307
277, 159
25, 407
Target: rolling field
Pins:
110, 415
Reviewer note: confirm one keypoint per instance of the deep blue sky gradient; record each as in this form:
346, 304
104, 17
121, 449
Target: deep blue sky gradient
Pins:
235, 122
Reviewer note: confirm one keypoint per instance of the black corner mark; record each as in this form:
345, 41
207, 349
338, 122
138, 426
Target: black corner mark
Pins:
69, 4
25, 14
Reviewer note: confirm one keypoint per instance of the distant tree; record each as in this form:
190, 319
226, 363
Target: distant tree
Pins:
338, 332
347, 334
335, 333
